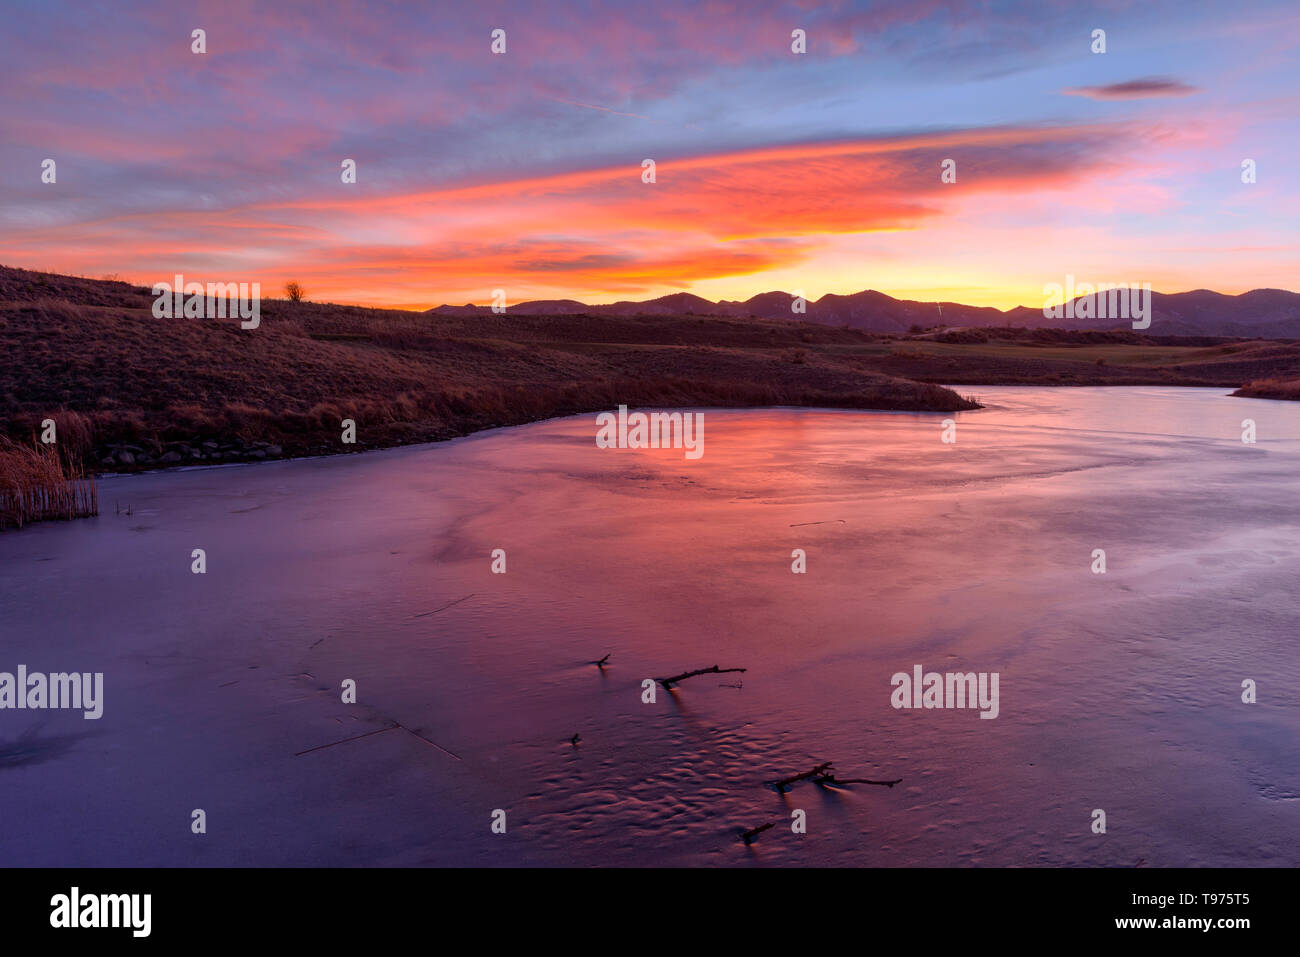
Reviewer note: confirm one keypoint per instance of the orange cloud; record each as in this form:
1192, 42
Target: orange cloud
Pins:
589, 233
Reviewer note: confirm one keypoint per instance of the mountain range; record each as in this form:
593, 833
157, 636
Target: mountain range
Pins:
1260, 313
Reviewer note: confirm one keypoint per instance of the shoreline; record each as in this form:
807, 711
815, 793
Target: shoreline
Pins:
248, 455
157, 467
485, 431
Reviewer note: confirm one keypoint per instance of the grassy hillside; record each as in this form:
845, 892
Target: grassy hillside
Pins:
141, 391
130, 391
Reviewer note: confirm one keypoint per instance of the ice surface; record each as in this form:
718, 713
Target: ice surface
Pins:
1118, 691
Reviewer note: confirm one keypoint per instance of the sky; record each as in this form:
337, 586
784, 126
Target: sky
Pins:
812, 173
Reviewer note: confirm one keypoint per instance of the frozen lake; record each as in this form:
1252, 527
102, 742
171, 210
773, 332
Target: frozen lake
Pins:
1118, 691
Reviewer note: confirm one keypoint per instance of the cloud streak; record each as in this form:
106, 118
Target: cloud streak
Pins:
1147, 88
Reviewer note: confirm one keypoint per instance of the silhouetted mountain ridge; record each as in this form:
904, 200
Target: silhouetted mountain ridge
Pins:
1267, 313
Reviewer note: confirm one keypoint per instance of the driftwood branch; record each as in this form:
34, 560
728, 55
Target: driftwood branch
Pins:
601, 662
821, 769
715, 670
825, 774
750, 836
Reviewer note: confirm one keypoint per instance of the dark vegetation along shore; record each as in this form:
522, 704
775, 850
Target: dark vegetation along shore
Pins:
130, 392
1271, 389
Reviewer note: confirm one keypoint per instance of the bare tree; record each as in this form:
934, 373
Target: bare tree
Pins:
294, 291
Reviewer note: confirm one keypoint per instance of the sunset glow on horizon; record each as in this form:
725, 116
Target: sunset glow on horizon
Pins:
816, 172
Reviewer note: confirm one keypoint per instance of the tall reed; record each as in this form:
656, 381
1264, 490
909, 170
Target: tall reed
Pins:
37, 484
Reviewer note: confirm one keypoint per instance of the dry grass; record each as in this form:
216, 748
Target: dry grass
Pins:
37, 483
1271, 389
94, 349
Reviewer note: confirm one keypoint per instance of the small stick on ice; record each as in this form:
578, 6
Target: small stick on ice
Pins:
358, 737
831, 780
715, 670
601, 662
425, 740
750, 836
449, 604
819, 770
